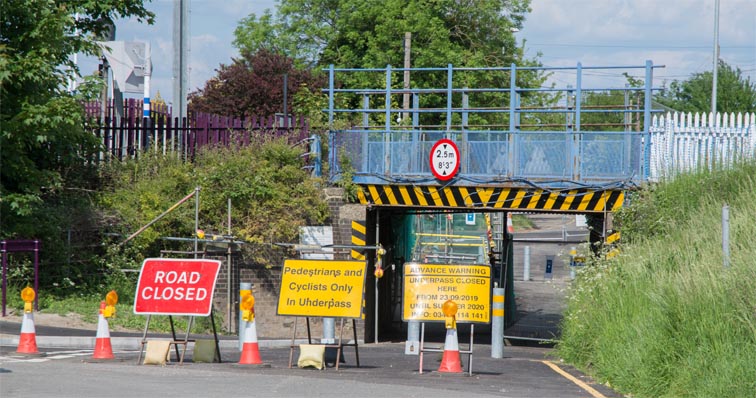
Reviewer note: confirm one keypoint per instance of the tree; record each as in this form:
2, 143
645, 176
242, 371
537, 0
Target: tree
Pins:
735, 92
358, 33
252, 85
43, 143
370, 33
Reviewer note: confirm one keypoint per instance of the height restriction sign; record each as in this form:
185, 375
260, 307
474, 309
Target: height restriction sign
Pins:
444, 159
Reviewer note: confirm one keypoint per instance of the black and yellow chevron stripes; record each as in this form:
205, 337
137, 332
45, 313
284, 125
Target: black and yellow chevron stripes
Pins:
578, 200
358, 239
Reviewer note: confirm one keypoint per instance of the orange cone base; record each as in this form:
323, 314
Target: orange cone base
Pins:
27, 344
103, 349
451, 362
250, 354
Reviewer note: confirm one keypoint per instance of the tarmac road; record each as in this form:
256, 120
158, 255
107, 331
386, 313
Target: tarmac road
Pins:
68, 371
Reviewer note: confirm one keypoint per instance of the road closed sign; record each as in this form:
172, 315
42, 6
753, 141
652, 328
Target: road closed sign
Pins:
324, 288
428, 286
176, 286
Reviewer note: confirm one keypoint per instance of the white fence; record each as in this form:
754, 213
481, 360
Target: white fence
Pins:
685, 142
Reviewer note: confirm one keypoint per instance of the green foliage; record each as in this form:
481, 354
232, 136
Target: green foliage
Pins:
656, 208
43, 144
735, 92
271, 197
46, 154
346, 178
665, 318
253, 85
369, 34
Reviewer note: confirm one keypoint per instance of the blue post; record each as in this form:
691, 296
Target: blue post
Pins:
330, 96
512, 122
316, 151
387, 133
388, 98
416, 134
575, 150
449, 72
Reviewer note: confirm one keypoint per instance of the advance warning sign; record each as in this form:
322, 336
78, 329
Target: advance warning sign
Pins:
176, 286
428, 286
322, 288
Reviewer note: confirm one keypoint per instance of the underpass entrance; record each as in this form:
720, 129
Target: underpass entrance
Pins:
458, 236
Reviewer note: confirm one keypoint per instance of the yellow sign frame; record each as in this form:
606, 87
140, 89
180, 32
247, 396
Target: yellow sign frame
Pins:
322, 288
428, 286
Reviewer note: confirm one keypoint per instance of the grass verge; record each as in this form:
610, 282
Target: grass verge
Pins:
666, 318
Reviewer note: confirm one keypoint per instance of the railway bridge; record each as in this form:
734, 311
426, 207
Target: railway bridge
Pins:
423, 146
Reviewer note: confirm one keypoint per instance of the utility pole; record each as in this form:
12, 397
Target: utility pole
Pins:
716, 60
407, 63
180, 56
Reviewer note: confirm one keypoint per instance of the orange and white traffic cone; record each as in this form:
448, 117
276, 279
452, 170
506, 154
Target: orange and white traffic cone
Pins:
510, 227
250, 350
27, 342
451, 362
103, 348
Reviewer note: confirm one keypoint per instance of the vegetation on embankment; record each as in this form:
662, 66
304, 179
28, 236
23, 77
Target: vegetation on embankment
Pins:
666, 318
271, 197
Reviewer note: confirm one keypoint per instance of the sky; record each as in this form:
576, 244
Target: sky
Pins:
678, 34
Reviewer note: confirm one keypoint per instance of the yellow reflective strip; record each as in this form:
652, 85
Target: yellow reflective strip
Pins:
485, 195
601, 205
613, 238
435, 196
361, 197
465, 196
374, 194
450, 196
569, 197
497, 312
357, 255
518, 199
359, 227
390, 195
534, 200
420, 196
619, 201
551, 200
498, 299
405, 195
504, 192
585, 200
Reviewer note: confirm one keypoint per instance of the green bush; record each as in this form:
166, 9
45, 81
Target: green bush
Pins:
666, 318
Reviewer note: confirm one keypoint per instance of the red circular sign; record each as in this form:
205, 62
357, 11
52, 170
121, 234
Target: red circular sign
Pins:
444, 159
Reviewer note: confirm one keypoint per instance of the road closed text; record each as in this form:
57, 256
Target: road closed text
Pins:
171, 292
180, 287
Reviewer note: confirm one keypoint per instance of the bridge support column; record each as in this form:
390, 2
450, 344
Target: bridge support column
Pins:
371, 239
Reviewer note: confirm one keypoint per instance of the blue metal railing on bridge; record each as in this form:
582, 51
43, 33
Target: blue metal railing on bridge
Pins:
506, 135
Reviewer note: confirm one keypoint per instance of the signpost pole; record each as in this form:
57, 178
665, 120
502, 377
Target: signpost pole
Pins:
244, 289
412, 346
497, 323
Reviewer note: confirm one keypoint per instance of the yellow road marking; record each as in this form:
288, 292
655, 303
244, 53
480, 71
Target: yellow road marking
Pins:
572, 378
